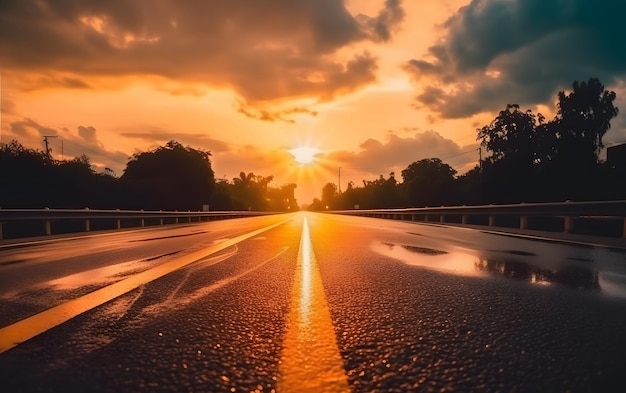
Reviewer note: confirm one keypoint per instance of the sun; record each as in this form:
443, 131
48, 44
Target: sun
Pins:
304, 155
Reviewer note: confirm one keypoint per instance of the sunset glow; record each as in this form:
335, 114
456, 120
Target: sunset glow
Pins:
374, 85
304, 155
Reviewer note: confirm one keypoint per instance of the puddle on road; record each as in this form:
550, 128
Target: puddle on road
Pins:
511, 264
450, 262
418, 250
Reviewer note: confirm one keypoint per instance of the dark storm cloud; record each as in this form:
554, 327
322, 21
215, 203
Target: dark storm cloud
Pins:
495, 52
265, 50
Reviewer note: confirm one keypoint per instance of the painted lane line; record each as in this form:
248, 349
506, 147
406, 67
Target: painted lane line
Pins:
18, 332
310, 359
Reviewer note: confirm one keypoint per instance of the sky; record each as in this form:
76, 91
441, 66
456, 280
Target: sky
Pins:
373, 85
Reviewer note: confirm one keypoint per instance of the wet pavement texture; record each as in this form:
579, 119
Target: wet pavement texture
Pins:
414, 308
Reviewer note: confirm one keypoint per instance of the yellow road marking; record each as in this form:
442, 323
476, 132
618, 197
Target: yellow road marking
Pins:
17, 333
310, 360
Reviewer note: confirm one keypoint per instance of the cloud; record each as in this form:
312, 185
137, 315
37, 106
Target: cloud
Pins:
26, 127
496, 52
285, 115
229, 164
7, 106
381, 26
68, 144
87, 133
396, 153
263, 50
160, 136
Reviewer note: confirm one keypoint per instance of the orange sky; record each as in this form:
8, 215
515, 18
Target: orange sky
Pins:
374, 85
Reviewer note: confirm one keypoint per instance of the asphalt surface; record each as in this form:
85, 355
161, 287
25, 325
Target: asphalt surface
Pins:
311, 302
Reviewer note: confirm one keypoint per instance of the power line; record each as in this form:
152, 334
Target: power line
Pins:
461, 154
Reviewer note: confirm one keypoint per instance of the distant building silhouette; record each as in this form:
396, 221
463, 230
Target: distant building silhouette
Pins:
616, 156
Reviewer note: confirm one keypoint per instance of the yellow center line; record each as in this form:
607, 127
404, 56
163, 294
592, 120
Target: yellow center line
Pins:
17, 333
310, 360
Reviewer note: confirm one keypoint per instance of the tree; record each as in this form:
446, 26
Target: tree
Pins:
282, 198
584, 116
26, 176
329, 193
512, 136
428, 182
574, 141
517, 146
250, 192
170, 177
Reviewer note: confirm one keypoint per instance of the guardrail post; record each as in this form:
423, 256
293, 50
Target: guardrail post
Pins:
492, 221
87, 223
568, 224
0, 231
142, 221
425, 217
47, 226
118, 222
523, 222
464, 219
442, 218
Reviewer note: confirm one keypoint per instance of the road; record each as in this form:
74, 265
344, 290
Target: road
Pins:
310, 302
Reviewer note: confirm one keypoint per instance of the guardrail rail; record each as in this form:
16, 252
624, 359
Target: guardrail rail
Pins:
42, 221
571, 214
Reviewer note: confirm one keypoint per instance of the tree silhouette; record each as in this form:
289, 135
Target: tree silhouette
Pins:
428, 182
584, 116
329, 195
512, 136
531, 160
250, 192
170, 177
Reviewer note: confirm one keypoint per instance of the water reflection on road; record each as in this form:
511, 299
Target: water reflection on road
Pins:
599, 271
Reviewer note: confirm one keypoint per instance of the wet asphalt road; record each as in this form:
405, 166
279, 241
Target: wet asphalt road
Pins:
410, 307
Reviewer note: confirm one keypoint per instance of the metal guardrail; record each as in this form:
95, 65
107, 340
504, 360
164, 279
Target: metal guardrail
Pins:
569, 212
87, 216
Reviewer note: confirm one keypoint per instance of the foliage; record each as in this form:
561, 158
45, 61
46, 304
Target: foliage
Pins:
170, 177
428, 182
584, 116
527, 159
31, 179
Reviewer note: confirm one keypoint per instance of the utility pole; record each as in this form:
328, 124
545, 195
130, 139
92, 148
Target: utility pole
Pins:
480, 173
45, 139
339, 180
